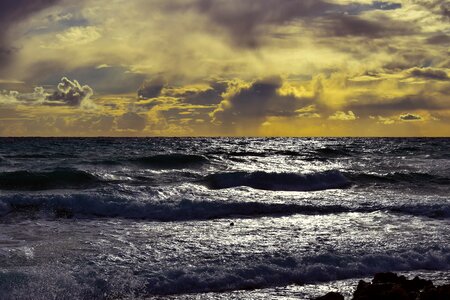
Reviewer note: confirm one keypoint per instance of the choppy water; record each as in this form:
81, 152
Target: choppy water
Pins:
218, 218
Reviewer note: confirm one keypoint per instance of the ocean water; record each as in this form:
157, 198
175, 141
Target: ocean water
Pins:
218, 218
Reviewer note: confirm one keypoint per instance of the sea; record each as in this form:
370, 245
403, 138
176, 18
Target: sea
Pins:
219, 218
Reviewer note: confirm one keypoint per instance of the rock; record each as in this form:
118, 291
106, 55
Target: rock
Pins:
388, 277
436, 293
331, 296
390, 286
375, 291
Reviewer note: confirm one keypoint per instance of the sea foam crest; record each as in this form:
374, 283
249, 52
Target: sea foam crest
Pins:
282, 271
245, 274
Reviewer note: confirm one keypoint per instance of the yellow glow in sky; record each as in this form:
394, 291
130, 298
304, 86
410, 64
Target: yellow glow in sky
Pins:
225, 67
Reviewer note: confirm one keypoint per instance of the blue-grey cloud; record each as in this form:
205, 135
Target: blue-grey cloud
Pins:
429, 73
12, 12
70, 92
131, 121
410, 117
151, 88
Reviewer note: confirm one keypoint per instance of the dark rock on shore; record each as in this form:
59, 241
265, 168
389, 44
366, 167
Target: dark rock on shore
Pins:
390, 286
331, 296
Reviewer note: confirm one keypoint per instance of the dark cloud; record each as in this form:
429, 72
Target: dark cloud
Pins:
12, 12
111, 80
258, 101
429, 73
351, 25
70, 93
411, 102
439, 39
151, 88
212, 95
247, 20
403, 59
131, 121
440, 7
410, 117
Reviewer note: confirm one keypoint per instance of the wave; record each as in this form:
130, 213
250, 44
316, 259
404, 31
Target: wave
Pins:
279, 181
291, 269
171, 161
331, 152
128, 207
399, 177
254, 272
50, 155
56, 179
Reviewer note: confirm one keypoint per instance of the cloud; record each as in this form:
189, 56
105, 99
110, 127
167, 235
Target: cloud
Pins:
343, 116
246, 21
38, 96
104, 80
200, 96
249, 22
70, 93
419, 101
410, 117
151, 88
438, 39
341, 25
12, 12
429, 73
258, 100
440, 7
131, 121
74, 36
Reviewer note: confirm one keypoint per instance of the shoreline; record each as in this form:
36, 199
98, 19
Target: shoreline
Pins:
392, 286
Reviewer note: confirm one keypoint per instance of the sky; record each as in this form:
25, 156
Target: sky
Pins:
224, 68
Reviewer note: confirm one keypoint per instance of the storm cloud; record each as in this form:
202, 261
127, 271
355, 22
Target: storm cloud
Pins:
131, 121
247, 20
410, 117
70, 93
151, 88
257, 101
429, 73
12, 12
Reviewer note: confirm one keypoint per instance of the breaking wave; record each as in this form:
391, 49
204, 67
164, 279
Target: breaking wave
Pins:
282, 271
107, 206
248, 274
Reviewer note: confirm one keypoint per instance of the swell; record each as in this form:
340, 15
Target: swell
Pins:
170, 161
333, 152
56, 179
399, 177
107, 206
278, 181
